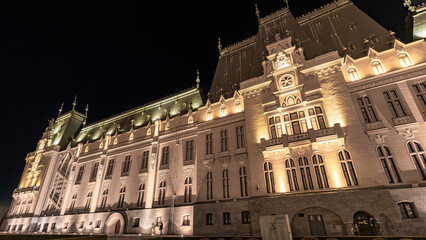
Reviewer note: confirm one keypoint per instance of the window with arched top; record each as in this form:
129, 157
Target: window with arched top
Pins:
209, 115
320, 172
161, 192
209, 182
404, 60
291, 174
377, 67
348, 167
417, 154
353, 74
237, 106
141, 194
243, 182
72, 205
269, 177
104, 199
225, 183
188, 189
223, 110
88, 201
388, 164
121, 197
305, 173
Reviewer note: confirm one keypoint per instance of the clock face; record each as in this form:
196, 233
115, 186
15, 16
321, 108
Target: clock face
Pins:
287, 80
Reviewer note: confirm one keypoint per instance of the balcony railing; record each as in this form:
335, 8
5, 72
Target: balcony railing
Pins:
374, 125
298, 137
403, 120
274, 141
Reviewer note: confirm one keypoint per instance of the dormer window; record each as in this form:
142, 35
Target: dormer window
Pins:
377, 67
237, 106
223, 110
404, 60
287, 80
209, 114
353, 74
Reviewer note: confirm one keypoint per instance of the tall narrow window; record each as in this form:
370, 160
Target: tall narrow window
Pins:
186, 221
240, 137
104, 199
223, 110
225, 183
316, 116
209, 143
72, 205
420, 90
189, 150
165, 156
348, 167
367, 109
237, 106
121, 197
404, 60
209, 185
291, 175
377, 67
188, 189
394, 104
141, 194
209, 114
79, 175
269, 177
245, 217
353, 74
226, 218
243, 182
126, 166
417, 154
320, 171
94, 172
145, 160
88, 201
305, 172
385, 157
224, 140
162, 193
109, 169
275, 127
209, 219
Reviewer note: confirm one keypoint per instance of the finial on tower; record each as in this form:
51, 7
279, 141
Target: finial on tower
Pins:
198, 79
85, 114
60, 109
257, 12
74, 103
219, 46
286, 4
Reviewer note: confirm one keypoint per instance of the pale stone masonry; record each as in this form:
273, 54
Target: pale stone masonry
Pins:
327, 128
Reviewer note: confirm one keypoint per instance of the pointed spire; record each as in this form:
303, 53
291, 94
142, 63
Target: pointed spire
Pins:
219, 46
198, 79
286, 4
257, 12
60, 109
74, 103
85, 114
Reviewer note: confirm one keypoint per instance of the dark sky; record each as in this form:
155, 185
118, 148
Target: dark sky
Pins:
117, 55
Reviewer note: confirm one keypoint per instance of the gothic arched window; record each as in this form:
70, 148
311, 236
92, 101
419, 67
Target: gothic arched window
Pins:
188, 189
291, 174
417, 154
320, 172
404, 60
348, 167
386, 159
305, 173
269, 177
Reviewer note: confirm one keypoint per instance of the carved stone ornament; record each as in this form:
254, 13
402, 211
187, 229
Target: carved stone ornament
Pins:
379, 139
277, 155
153, 158
300, 151
241, 161
188, 171
327, 146
282, 61
163, 175
408, 134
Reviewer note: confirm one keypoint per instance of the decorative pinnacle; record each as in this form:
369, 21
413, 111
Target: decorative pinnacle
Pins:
74, 103
198, 79
219, 46
286, 4
85, 114
60, 109
257, 12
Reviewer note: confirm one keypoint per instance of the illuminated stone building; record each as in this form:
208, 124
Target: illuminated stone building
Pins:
320, 117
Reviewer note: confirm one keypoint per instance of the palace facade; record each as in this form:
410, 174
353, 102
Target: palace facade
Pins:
320, 117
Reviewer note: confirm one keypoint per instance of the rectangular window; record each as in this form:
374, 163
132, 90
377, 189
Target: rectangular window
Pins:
79, 175
165, 156
223, 140
145, 160
394, 104
240, 137
136, 222
407, 210
189, 150
52, 226
110, 168
186, 221
209, 219
126, 166
367, 109
316, 116
275, 127
209, 143
94, 172
420, 90
226, 218
245, 217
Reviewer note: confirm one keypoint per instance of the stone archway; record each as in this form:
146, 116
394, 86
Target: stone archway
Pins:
317, 221
115, 224
365, 224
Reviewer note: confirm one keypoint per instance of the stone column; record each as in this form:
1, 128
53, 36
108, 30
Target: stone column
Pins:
150, 183
68, 189
98, 184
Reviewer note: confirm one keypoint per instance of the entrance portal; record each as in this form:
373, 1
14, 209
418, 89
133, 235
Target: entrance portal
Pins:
115, 224
117, 227
365, 223
316, 224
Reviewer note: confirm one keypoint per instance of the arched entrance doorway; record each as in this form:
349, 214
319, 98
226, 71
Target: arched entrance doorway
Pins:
365, 224
115, 224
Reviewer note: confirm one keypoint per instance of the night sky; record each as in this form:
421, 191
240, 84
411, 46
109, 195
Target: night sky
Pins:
115, 56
